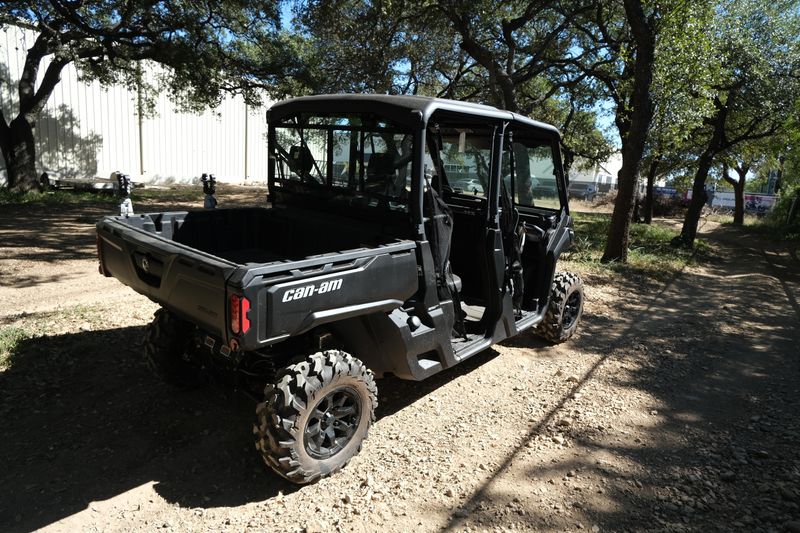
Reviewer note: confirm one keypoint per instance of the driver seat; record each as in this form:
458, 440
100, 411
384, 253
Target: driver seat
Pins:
380, 173
301, 161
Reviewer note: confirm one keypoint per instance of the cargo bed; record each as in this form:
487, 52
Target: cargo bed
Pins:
190, 263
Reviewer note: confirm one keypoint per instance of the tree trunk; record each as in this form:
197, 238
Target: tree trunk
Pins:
19, 152
738, 209
634, 138
699, 197
617, 244
648, 199
16, 139
738, 191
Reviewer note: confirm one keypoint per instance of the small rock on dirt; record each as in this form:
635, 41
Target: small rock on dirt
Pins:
315, 526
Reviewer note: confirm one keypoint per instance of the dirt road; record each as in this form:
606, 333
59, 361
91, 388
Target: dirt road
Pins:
677, 407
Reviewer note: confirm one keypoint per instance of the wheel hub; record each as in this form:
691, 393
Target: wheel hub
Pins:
571, 309
332, 423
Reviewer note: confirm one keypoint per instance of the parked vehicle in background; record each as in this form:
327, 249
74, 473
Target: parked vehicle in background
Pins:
472, 185
363, 266
582, 190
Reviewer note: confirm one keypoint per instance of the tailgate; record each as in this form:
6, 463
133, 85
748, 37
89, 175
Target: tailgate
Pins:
186, 281
294, 297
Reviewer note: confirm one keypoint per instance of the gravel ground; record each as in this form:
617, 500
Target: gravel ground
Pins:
675, 408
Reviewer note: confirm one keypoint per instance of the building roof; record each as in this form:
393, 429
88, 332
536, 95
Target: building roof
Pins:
410, 110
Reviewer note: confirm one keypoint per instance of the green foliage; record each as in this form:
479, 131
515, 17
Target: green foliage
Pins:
483, 51
372, 47
775, 224
207, 49
687, 66
55, 198
10, 338
650, 251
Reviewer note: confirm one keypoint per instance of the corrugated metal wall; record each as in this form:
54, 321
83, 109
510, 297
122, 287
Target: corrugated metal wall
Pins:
87, 130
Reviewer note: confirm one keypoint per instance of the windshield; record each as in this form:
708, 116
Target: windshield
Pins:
361, 160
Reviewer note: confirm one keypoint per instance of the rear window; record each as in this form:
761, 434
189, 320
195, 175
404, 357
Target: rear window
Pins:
360, 160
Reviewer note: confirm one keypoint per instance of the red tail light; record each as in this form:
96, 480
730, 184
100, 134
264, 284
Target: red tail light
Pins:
243, 314
239, 308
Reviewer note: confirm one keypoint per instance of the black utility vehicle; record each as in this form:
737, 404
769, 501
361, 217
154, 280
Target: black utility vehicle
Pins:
368, 262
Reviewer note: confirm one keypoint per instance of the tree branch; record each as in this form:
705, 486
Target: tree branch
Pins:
27, 81
51, 78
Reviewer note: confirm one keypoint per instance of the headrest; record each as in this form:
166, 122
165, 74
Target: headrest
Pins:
381, 165
300, 160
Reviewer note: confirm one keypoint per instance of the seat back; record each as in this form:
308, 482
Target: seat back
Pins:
301, 161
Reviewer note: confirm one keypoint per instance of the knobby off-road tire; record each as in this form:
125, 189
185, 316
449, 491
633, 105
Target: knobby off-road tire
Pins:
169, 344
316, 416
564, 310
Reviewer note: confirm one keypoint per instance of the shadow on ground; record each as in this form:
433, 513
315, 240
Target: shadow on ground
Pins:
716, 350
84, 420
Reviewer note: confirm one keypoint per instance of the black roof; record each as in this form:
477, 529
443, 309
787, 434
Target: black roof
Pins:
410, 110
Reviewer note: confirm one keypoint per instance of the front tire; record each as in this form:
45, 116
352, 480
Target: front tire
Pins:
316, 416
564, 310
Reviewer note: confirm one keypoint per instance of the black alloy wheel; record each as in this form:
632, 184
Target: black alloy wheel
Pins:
332, 423
572, 309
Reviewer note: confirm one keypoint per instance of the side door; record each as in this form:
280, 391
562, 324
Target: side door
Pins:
533, 175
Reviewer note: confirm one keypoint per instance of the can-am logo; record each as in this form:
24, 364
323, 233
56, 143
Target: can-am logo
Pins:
311, 290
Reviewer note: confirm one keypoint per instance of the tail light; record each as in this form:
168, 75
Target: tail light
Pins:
239, 308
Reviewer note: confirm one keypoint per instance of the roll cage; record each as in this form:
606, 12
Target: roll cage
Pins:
422, 120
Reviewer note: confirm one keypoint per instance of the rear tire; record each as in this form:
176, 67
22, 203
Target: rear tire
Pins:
316, 416
168, 349
564, 310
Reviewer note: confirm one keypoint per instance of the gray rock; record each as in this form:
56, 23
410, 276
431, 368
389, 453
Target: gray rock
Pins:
315, 526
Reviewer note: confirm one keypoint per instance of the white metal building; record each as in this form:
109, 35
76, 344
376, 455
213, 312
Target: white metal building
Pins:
602, 175
89, 131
